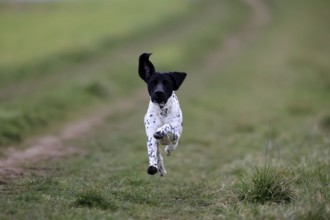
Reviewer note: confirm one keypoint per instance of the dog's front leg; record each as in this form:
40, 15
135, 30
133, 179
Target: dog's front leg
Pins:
152, 154
156, 163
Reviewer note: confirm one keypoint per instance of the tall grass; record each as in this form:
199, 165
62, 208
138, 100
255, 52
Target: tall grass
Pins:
266, 185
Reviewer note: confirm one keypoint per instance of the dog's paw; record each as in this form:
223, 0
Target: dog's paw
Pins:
158, 135
168, 150
152, 170
162, 172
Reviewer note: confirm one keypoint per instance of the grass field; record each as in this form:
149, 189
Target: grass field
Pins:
256, 139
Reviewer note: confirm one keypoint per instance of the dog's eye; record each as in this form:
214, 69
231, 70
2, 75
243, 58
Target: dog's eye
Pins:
165, 82
155, 82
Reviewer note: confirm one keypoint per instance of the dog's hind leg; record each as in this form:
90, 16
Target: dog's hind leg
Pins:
160, 165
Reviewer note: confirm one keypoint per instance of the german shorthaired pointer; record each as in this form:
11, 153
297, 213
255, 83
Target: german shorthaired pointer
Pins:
163, 120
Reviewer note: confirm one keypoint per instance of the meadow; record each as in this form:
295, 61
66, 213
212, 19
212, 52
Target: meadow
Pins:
256, 138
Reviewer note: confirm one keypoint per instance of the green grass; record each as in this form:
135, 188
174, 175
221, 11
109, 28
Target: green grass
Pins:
35, 32
23, 119
270, 97
267, 184
93, 198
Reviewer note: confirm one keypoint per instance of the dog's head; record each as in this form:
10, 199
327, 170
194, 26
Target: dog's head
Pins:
160, 85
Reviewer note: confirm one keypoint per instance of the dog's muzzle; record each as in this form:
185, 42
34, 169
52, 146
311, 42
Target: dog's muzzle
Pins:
159, 97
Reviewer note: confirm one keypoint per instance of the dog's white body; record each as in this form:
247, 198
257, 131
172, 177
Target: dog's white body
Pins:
165, 121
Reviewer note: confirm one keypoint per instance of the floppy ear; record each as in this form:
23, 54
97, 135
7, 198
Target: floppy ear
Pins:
178, 78
146, 68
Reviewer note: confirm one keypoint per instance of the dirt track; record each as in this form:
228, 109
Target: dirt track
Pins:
53, 145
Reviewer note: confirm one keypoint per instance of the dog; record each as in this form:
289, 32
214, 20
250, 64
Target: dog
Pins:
163, 120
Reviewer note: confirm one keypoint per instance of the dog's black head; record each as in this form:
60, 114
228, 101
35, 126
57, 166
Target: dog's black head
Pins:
160, 85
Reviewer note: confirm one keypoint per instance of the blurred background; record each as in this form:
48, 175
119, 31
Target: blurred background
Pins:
249, 62
257, 94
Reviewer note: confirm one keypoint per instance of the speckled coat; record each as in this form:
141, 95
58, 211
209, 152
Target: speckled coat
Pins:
166, 121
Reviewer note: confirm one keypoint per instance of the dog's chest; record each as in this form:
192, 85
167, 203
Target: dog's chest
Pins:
161, 114
157, 115
164, 112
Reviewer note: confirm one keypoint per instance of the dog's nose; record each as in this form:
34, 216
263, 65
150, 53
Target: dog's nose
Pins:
159, 94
